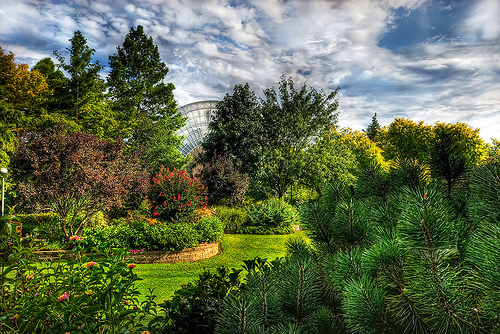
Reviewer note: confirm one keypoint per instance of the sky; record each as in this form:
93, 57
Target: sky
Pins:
427, 60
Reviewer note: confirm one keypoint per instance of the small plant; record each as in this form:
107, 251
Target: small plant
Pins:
91, 294
232, 217
174, 196
272, 213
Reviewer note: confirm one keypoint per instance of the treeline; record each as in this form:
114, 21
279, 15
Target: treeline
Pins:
289, 142
133, 103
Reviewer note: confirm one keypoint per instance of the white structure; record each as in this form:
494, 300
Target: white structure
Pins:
199, 115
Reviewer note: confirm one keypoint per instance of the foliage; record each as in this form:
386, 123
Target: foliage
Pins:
456, 148
373, 128
87, 106
144, 103
328, 159
266, 230
237, 130
174, 195
272, 213
74, 173
21, 95
232, 218
276, 294
209, 229
366, 152
90, 294
152, 234
293, 119
193, 308
42, 225
406, 139
223, 180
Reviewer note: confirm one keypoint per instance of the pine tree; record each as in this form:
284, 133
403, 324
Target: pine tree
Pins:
373, 128
144, 104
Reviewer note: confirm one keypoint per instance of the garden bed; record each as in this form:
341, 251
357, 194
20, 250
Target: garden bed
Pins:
186, 255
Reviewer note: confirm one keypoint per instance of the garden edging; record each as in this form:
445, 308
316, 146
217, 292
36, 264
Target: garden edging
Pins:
186, 255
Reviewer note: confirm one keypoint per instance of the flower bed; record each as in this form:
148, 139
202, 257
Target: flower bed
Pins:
201, 252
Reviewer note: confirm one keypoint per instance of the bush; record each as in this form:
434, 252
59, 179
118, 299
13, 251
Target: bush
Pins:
224, 181
42, 225
94, 294
152, 234
232, 218
175, 196
272, 213
210, 229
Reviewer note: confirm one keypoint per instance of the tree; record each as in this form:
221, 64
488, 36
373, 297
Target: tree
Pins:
456, 148
373, 128
143, 102
21, 95
406, 139
293, 120
237, 130
224, 180
328, 160
87, 106
74, 174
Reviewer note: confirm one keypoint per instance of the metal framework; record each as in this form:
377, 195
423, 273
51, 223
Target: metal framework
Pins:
199, 115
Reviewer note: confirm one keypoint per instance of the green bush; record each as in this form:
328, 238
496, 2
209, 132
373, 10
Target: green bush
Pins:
171, 237
232, 218
42, 225
272, 213
91, 294
210, 229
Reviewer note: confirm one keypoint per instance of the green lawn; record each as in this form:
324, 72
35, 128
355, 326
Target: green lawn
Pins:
165, 278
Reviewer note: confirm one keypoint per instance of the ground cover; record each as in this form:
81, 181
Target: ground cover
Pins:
166, 278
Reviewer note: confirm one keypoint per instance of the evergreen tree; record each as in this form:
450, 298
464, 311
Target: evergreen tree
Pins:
373, 128
143, 102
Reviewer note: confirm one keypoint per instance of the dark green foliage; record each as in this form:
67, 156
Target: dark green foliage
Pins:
337, 220
143, 102
272, 213
236, 129
373, 128
194, 307
485, 192
224, 181
446, 161
42, 225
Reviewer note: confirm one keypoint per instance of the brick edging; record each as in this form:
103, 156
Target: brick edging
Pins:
186, 255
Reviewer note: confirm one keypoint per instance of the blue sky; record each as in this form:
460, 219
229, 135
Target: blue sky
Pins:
426, 60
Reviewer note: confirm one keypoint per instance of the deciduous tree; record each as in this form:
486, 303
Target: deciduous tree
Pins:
73, 174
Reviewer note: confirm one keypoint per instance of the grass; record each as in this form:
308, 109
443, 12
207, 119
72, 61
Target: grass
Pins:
166, 278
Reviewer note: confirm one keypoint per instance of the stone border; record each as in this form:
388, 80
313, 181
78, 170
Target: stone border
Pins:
186, 255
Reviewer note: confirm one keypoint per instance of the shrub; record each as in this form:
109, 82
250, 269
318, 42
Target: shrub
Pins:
232, 217
224, 180
175, 196
91, 294
272, 213
210, 229
74, 173
171, 237
42, 225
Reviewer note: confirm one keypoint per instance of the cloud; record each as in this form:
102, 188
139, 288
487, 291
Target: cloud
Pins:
449, 73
